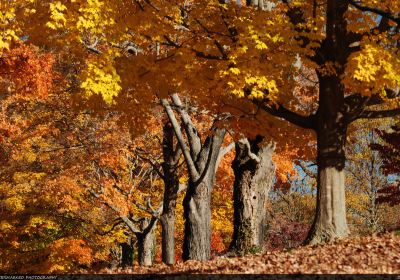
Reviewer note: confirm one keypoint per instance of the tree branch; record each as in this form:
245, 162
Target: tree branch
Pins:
125, 219
155, 213
379, 114
292, 117
375, 11
185, 150
251, 155
306, 170
355, 104
209, 153
156, 167
191, 131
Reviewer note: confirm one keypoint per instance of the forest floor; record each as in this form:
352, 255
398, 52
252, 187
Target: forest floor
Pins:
372, 254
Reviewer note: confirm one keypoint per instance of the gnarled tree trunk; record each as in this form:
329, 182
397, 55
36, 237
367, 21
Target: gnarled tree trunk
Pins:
254, 173
197, 202
201, 161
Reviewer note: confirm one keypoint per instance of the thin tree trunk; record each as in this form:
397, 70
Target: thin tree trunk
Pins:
254, 173
127, 253
168, 237
146, 243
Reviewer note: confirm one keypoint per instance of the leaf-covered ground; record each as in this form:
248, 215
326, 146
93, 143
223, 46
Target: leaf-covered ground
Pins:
372, 254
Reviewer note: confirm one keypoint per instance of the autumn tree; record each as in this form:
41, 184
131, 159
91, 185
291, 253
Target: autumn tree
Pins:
350, 46
254, 176
350, 77
201, 160
167, 169
37, 231
365, 178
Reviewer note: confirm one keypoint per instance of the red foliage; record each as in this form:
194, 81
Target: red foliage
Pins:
286, 234
390, 195
390, 153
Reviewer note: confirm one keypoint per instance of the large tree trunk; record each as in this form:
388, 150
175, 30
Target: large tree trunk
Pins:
254, 173
171, 187
197, 213
331, 127
197, 202
146, 243
330, 220
201, 161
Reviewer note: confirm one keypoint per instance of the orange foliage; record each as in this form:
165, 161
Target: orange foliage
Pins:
26, 72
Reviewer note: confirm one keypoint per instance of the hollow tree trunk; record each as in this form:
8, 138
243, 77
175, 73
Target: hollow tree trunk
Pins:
171, 186
330, 219
254, 173
146, 243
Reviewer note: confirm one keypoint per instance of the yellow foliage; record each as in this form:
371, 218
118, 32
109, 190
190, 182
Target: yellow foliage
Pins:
57, 15
7, 31
37, 221
14, 204
102, 79
373, 69
92, 20
5, 226
27, 177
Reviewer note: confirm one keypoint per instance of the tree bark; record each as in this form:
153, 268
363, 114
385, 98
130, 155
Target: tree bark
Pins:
171, 187
201, 161
197, 213
146, 242
330, 219
332, 120
197, 202
254, 173
168, 237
